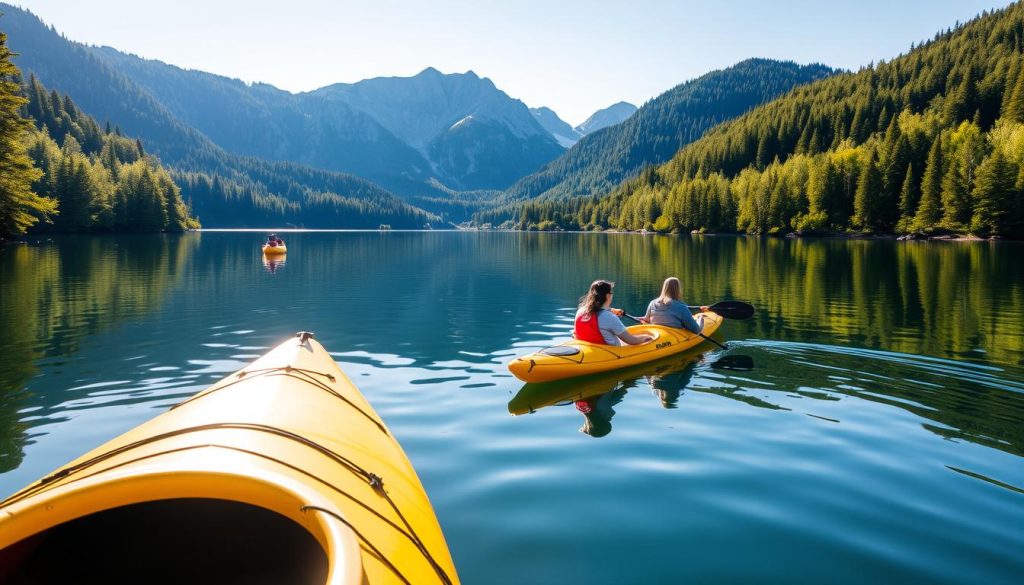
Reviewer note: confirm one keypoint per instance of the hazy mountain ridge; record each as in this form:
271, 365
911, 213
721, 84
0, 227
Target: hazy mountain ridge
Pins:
380, 128
605, 117
565, 134
263, 121
429, 112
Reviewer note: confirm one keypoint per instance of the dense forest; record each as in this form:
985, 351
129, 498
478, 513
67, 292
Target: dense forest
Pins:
930, 142
600, 161
63, 173
100, 180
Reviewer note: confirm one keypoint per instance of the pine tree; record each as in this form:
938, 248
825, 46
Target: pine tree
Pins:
1013, 100
73, 190
963, 101
956, 203
894, 166
993, 196
20, 207
908, 202
866, 203
929, 211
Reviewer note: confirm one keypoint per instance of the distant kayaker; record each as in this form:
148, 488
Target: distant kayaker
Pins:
597, 322
669, 310
273, 241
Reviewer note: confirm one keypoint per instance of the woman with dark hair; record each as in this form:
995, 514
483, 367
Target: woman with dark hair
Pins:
669, 310
597, 322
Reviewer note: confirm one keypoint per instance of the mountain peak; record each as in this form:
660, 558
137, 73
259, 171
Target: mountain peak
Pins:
605, 117
563, 133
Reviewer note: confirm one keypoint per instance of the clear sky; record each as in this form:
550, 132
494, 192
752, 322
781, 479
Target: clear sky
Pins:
572, 56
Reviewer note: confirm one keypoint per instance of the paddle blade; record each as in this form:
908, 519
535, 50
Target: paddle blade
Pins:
737, 363
733, 309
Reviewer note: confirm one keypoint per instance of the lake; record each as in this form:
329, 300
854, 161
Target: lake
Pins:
878, 436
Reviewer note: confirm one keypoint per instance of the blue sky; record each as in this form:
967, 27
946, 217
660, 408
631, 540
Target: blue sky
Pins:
572, 56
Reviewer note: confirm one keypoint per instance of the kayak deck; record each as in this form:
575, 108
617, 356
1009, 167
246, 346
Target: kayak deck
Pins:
286, 446
580, 358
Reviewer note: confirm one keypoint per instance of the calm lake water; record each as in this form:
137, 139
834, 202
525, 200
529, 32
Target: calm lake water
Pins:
878, 436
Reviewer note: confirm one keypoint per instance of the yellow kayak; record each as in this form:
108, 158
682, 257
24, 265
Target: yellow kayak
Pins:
581, 358
275, 250
669, 375
280, 473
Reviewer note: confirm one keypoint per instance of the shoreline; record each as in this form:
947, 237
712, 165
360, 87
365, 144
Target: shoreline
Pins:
36, 238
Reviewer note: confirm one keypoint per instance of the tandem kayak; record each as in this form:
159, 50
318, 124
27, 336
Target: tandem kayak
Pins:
279, 473
275, 250
667, 378
581, 358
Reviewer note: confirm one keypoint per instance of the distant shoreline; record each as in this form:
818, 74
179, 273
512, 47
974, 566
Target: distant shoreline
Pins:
35, 238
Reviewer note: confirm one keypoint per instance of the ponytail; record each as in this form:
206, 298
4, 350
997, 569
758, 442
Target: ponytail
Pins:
595, 298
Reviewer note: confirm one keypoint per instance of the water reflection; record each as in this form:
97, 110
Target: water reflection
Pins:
274, 263
596, 396
57, 292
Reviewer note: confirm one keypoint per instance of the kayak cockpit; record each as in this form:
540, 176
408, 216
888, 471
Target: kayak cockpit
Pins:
186, 540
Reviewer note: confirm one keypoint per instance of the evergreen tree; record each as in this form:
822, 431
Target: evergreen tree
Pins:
867, 204
1013, 101
993, 196
908, 202
929, 212
897, 157
956, 203
20, 207
74, 190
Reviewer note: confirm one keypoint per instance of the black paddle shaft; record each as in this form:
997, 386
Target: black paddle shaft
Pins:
730, 309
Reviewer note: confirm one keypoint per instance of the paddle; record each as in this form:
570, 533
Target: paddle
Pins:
730, 309
637, 319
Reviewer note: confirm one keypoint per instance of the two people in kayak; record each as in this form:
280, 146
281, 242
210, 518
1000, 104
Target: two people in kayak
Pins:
273, 241
598, 322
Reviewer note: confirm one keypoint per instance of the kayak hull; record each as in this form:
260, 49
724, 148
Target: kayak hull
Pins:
288, 434
275, 250
581, 358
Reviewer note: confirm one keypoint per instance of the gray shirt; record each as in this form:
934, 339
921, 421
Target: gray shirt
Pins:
610, 325
672, 314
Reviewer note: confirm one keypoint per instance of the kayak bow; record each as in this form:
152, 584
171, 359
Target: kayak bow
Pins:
280, 473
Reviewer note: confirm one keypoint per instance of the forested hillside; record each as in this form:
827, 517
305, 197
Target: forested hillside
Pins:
99, 179
600, 161
930, 142
61, 172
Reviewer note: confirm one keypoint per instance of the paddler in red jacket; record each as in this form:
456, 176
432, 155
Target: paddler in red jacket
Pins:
597, 322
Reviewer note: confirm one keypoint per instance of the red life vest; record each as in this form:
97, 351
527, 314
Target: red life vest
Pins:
587, 328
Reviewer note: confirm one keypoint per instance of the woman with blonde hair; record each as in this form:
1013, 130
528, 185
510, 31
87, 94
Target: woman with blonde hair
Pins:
669, 310
597, 322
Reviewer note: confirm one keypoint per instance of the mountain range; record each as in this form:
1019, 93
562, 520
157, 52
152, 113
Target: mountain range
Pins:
450, 144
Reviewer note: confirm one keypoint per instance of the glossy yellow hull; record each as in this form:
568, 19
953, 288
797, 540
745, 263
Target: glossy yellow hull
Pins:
289, 434
581, 358
275, 250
